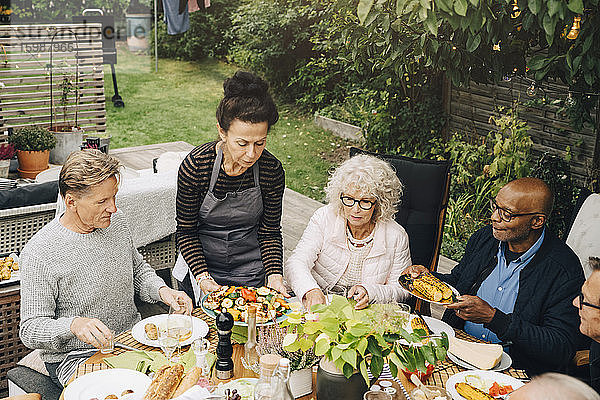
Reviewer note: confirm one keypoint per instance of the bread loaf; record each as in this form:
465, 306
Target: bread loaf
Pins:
165, 382
189, 380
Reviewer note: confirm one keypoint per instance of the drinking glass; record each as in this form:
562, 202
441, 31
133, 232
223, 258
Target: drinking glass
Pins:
179, 324
110, 346
167, 342
402, 311
336, 290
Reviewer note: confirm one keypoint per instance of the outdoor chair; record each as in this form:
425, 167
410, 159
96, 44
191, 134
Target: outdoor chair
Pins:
423, 205
22, 380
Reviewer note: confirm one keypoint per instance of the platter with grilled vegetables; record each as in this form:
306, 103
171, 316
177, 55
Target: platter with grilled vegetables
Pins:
429, 288
271, 305
481, 385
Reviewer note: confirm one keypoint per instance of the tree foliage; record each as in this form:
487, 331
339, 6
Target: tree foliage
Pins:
485, 40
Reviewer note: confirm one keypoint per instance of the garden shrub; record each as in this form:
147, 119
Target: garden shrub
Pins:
208, 35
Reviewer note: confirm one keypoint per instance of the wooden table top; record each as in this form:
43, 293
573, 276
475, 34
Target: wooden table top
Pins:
442, 372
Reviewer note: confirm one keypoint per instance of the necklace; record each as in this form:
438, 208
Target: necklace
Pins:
358, 243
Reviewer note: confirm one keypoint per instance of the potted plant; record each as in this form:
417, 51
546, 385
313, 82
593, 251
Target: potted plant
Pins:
352, 342
7, 152
68, 134
33, 145
301, 360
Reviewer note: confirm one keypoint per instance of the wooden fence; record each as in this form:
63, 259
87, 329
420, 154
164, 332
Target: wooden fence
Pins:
37, 60
469, 109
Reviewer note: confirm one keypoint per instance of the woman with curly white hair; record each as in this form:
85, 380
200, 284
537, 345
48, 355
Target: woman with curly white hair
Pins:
353, 241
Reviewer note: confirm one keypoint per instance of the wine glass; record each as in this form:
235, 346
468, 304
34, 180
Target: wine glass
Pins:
179, 324
166, 341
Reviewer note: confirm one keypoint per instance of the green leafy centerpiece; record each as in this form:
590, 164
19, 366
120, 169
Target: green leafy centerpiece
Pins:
365, 339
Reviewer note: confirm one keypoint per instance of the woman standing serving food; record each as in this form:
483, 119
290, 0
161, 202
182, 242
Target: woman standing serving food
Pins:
229, 198
353, 241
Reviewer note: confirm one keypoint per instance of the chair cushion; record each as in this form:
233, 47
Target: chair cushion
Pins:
33, 382
422, 200
29, 195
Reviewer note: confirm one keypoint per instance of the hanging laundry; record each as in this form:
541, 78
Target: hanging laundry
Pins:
178, 21
193, 6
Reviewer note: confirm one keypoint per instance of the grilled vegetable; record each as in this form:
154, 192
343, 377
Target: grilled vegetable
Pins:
418, 323
428, 290
446, 291
471, 393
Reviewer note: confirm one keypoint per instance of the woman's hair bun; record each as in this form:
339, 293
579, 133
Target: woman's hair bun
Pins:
245, 84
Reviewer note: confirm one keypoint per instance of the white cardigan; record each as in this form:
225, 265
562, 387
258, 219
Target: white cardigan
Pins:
322, 255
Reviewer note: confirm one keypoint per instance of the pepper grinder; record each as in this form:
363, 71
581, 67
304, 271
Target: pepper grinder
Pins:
224, 365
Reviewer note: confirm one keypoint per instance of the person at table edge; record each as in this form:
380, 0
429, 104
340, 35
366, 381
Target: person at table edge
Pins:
229, 198
588, 304
517, 281
79, 273
353, 241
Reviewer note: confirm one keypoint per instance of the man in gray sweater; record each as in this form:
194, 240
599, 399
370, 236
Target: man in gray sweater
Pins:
80, 272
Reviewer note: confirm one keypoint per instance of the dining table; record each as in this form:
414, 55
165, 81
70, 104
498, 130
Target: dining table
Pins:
443, 369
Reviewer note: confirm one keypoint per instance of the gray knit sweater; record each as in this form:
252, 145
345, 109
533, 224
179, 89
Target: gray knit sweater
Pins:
65, 274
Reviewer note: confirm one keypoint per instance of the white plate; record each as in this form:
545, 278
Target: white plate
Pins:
100, 384
199, 330
489, 376
505, 362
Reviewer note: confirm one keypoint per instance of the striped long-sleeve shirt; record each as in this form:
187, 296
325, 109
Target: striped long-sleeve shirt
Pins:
192, 186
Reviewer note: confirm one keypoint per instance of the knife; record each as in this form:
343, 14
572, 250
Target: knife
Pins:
124, 346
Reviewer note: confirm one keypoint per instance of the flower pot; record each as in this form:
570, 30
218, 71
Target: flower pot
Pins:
66, 143
333, 385
32, 163
4, 167
301, 382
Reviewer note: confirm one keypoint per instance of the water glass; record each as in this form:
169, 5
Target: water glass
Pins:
338, 290
167, 342
110, 346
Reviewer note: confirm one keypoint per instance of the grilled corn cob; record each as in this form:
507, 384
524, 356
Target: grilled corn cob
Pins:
471, 393
446, 291
428, 290
418, 323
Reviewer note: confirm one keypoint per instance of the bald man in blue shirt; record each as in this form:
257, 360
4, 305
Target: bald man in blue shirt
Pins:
517, 281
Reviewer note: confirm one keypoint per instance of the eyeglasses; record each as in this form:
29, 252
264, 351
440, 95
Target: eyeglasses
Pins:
350, 202
585, 303
506, 215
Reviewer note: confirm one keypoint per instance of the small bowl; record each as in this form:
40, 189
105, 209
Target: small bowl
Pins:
414, 394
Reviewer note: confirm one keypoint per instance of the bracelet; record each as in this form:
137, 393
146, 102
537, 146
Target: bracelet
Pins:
203, 277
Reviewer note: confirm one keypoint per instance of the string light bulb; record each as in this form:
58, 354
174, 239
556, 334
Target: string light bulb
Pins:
531, 90
516, 11
569, 101
496, 47
575, 28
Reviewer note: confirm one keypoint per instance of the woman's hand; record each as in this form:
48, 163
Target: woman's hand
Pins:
275, 281
207, 283
312, 297
359, 293
414, 271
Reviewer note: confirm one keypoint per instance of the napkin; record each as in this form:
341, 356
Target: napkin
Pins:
153, 359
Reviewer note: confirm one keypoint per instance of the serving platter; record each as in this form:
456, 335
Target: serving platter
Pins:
418, 295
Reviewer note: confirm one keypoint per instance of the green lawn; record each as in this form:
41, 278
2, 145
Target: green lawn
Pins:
179, 103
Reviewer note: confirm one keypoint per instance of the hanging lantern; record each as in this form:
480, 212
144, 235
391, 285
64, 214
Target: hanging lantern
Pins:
516, 11
570, 101
531, 90
574, 32
496, 47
